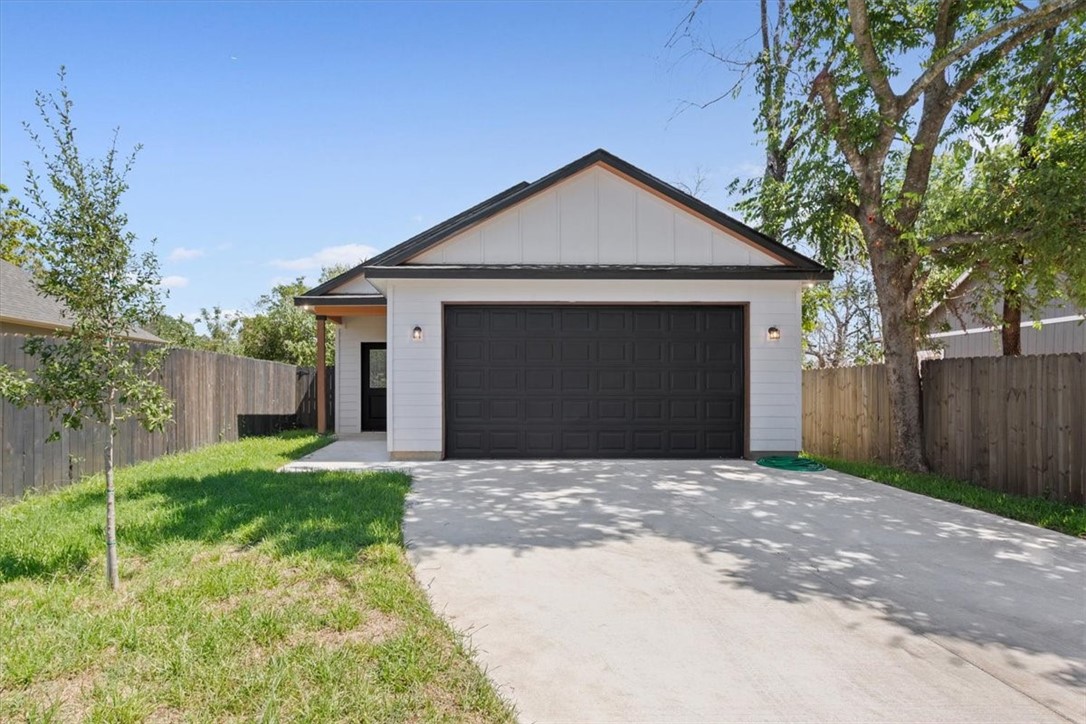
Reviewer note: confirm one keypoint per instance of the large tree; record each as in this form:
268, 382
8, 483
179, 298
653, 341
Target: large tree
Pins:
86, 258
887, 77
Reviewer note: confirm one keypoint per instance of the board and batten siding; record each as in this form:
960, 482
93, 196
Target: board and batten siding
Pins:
349, 338
595, 217
415, 398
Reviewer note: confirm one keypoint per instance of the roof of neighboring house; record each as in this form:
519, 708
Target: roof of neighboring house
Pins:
21, 303
382, 265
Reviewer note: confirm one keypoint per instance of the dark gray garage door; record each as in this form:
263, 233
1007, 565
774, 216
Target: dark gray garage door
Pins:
593, 381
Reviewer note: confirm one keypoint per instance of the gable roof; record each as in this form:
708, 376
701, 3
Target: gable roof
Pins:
401, 253
21, 303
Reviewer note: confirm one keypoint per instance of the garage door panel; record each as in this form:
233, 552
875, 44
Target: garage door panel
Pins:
577, 350
500, 350
651, 381
540, 321
541, 411
468, 350
648, 322
577, 321
609, 322
505, 410
503, 380
613, 381
614, 351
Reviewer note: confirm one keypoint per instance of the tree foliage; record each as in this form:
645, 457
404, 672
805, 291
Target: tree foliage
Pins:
18, 233
85, 257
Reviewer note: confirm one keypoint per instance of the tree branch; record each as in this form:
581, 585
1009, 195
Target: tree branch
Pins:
1031, 22
869, 59
826, 89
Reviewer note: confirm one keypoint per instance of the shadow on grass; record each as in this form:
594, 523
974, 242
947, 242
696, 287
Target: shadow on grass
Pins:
326, 515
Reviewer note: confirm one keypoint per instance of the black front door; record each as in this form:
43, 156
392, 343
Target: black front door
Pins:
374, 383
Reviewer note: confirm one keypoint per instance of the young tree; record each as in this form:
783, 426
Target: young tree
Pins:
887, 77
86, 258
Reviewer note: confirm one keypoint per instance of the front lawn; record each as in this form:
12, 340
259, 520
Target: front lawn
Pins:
246, 594
1062, 517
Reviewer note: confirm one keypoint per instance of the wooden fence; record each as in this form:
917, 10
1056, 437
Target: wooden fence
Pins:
216, 398
1013, 424
307, 400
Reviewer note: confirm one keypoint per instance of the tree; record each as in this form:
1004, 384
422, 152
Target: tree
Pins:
283, 332
280, 331
176, 331
223, 330
18, 234
1013, 212
772, 70
86, 258
841, 320
866, 152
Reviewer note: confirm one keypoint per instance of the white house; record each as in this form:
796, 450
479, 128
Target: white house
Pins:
597, 312
1059, 327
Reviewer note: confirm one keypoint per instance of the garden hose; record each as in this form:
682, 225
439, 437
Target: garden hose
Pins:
784, 462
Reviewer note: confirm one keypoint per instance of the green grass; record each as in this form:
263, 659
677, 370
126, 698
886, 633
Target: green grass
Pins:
246, 595
1062, 517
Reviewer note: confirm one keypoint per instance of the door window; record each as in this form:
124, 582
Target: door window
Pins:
377, 369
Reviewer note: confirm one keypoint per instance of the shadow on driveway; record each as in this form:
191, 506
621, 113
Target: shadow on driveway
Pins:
1005, 596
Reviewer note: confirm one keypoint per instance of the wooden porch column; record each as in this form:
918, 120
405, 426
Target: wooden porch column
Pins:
322, 378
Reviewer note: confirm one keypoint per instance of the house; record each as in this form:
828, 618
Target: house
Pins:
596, 312
1058, 327
24, 311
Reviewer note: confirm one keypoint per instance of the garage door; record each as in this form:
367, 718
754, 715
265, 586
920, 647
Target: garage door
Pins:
593, 381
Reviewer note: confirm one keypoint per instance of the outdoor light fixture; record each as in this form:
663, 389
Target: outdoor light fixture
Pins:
774, 334
416, 333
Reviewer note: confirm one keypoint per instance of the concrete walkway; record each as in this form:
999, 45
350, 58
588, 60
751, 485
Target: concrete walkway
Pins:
701, 591
362, 451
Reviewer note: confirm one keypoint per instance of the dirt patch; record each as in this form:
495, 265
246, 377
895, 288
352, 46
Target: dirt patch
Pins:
375, 629
68, 698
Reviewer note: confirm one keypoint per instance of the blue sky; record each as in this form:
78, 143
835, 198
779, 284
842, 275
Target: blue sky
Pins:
278, 136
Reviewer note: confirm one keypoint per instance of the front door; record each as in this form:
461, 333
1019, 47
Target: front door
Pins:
374, 383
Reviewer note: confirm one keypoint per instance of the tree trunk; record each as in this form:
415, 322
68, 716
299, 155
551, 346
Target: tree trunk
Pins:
893, 282
111, 515
1012, 324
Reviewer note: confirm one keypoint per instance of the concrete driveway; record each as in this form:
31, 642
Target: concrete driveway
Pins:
696, 591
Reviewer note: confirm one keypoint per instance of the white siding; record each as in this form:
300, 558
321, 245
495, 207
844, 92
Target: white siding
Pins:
415, 380
349, 338
1053, 338
358, 285
595, 217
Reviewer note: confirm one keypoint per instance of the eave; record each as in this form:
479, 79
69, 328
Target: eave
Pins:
582, 271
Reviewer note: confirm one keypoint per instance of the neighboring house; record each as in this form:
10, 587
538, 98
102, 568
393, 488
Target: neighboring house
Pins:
597, 312
959, 332
24, 311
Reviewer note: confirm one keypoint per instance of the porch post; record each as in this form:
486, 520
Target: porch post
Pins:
322, 378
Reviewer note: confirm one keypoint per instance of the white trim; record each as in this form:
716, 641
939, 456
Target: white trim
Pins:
982, 330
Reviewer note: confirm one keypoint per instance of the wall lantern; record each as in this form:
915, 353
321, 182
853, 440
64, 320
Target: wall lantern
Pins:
774, 334
416, 333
